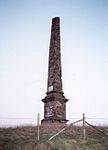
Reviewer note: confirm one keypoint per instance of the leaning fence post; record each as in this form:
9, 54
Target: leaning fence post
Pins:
84, 129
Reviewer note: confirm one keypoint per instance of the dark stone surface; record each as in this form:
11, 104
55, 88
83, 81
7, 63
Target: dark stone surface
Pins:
54, 102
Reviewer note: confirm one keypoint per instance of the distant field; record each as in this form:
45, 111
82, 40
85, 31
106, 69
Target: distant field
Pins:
25, 138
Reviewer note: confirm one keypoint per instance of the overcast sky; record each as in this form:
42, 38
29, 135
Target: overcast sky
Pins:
24, 43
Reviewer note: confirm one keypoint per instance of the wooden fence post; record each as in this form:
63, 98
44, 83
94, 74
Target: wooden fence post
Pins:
38, 120
84, 129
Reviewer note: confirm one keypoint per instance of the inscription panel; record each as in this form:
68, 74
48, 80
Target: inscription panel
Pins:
60, 110
49, 109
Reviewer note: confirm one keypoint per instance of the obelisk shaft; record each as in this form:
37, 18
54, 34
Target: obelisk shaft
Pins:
54, 71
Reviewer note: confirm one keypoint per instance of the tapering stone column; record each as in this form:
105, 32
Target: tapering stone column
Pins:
54, 102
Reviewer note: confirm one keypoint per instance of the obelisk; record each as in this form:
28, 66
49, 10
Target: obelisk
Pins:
55, 101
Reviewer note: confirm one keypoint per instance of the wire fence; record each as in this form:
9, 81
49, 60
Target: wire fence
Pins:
17, 121
22, 121
94, 121
84, 123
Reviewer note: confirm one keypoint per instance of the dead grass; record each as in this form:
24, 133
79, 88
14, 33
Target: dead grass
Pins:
25, 138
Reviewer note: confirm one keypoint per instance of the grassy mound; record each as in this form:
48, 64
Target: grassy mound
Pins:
25, 138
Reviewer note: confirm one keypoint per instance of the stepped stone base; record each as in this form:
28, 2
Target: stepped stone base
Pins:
53, 123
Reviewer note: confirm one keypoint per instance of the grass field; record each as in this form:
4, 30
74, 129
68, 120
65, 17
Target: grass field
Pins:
25, 138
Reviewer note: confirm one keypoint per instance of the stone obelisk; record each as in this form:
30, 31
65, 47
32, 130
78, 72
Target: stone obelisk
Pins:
55, 101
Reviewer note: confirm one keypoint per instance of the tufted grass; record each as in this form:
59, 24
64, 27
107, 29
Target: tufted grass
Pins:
25, 138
